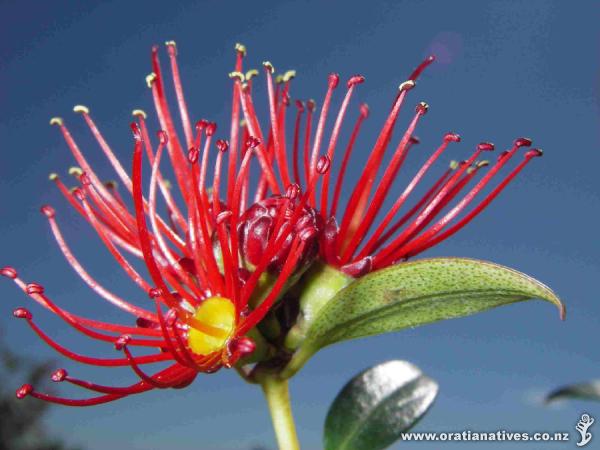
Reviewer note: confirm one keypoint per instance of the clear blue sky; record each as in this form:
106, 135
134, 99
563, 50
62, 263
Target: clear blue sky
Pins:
507, 69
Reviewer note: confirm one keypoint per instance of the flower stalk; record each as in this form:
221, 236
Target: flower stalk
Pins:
277, 394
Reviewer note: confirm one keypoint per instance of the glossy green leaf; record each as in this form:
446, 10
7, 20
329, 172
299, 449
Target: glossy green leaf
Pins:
583, 391
416, 293
377, 405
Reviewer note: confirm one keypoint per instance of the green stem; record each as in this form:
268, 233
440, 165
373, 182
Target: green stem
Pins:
278, 398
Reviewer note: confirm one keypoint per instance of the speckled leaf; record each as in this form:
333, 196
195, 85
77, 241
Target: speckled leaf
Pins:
377, 405
413, 294
584, 391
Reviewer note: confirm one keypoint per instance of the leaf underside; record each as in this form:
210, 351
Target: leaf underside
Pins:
416, 293
377, 405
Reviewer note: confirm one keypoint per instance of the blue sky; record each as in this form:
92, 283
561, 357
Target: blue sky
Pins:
506, 69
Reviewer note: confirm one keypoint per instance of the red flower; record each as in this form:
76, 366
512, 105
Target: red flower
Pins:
220, 263
386, 237
204, 274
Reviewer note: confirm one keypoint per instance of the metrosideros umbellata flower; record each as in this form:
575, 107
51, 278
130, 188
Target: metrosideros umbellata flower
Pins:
263, 250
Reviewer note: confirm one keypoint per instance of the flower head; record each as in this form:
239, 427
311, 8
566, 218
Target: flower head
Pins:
203, 276
230, 246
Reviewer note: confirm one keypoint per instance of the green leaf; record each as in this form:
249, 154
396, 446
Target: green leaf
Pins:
416, 293
585, 391
377, 405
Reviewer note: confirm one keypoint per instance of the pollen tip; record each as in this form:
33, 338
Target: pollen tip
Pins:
77, 193
22, 313
483, 163
288, 75
150, 78
522, 142
48, 211
34, 288
111, 184
251, 74
238, 75
240, 48
8, 272
354, 80
193, 155
163, 137
201, 124
154, 293
137, 133
81, 109
59, 375
139, 113
268, 66
24, 391
122, 341
75, 171
323, 164
243, 123
56, 121
171, 45
252, 142
211, 128
414, 140
53, 176
534, 153
485, 147
452, 137
422, 108
453, 164
279, 79
333, 80
407, 85
222, 145
292, 191
364, 110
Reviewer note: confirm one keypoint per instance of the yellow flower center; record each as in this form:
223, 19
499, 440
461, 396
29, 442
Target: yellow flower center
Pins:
212, 325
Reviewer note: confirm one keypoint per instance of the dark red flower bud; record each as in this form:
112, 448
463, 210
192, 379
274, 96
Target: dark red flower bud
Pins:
258, 224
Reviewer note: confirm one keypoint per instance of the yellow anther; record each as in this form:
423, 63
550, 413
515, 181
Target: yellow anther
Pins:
53, 176
239, 75
75, 171
251, 74
139, 113
150, 79
56, 121
240, 48
167, 184
279, 79
289, 75
268, 66
212, 325
407, 85
483, 163
81, 109
453, 164
171, 44
243, 123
